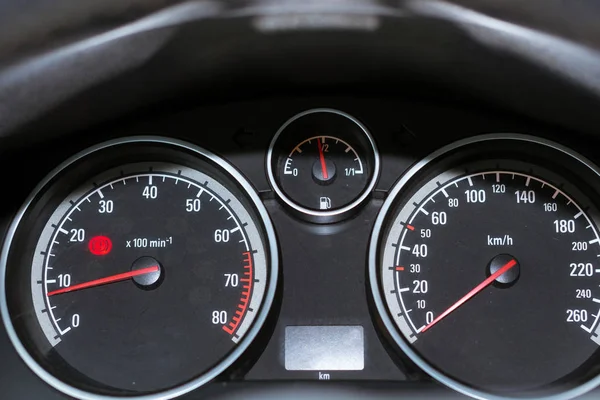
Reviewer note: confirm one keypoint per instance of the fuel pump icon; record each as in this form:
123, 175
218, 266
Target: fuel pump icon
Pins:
324, 203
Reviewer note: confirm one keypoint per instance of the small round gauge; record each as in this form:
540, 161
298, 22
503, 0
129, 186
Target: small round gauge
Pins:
323, 164
140, 267
485, 270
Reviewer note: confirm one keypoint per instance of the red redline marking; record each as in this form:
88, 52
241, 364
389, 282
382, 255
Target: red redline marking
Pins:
243, 305
412, 228
399, 268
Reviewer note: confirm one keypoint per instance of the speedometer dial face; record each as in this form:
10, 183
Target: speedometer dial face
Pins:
149, 277
487, 271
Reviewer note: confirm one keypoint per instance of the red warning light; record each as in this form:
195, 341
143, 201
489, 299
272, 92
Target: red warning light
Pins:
100, 245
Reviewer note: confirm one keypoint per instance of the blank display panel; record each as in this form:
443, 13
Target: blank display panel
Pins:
324, 348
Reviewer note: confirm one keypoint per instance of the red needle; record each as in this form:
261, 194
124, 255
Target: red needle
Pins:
103, 281
472, 293
322, 158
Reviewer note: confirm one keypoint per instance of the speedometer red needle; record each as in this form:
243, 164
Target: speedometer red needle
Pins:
472, 293
322, 158
103, 281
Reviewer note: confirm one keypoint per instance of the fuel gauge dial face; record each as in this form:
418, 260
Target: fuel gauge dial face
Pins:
323, 164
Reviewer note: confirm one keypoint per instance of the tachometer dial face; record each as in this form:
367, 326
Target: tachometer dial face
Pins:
145, 278
323, 164
488, 271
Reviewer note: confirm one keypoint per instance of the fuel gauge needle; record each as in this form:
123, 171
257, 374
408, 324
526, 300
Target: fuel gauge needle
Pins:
472, 293
322, 158
104, 281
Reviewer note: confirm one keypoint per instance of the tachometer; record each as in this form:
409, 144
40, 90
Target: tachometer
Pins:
486, 270
151, 277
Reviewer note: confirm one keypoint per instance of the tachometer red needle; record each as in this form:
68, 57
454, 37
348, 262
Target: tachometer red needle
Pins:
322, 158
103, 281
472, 293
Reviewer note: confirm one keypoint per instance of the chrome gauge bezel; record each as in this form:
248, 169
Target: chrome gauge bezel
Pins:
375, 283
270, 246
323, 216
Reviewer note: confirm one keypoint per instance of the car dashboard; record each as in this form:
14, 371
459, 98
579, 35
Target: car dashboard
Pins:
290, 221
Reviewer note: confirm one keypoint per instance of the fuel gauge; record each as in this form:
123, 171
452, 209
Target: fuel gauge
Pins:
323, 164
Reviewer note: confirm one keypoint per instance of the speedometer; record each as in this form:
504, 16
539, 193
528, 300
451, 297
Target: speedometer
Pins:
141, 267
486, 270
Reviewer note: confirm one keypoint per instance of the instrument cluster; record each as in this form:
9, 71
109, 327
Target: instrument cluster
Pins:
150, 265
